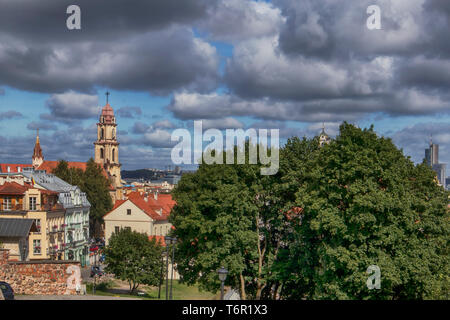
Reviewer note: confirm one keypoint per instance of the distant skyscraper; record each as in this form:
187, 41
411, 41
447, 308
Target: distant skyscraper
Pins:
432, 159
432, 154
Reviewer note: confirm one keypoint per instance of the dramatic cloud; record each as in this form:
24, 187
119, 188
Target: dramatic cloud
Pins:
129, 112
72, 106
237, 20
10, 115
46, 20
41, 125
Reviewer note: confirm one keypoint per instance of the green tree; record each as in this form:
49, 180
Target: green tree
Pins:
132, 257
226, 215
96, 186
91, 181
363, 203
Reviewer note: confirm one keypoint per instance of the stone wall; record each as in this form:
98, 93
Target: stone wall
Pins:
41, 277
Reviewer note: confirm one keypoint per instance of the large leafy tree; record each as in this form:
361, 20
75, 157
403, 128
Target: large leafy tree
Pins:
96, 186
91, 181
363, 203
227, 215
132, 257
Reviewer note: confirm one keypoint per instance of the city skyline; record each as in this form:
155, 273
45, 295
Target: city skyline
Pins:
244, 64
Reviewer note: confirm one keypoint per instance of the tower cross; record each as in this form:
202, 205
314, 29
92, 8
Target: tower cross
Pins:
107, 96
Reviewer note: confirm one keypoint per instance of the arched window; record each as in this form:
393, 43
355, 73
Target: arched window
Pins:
113, 155
102, 155
102, 134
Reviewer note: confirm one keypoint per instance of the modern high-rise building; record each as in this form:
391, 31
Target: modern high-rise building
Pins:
432, 154
432, 159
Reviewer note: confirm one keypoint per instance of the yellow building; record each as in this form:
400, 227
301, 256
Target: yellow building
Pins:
21, 199
141, 212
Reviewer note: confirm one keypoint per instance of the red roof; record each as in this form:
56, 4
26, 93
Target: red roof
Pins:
48, 166
159, 239
13, 188
13, 167
107, 113
149, 205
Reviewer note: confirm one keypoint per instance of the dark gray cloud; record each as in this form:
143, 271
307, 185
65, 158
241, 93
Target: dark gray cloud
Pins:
41, 125
134, 45
2, 92
70, 107
7, 115
129, 112
139, 128
114, 19
235, 20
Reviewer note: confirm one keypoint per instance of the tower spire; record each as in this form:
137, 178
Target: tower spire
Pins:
37, 158
107, 97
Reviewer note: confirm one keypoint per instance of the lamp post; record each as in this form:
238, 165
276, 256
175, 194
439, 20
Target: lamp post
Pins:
222, 277
168, 240
174, 241
161, 275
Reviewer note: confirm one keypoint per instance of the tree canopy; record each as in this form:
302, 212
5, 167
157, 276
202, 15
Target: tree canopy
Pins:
93, 183
132, 257
312, 230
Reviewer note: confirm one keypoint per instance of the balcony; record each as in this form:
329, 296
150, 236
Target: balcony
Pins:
12, 208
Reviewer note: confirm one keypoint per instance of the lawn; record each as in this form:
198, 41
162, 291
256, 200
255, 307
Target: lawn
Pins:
180, 291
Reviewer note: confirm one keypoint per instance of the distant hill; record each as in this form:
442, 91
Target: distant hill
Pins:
139, 174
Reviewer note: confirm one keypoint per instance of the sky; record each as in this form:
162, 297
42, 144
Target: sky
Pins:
286, 64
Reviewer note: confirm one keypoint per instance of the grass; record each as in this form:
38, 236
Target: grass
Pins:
179, 291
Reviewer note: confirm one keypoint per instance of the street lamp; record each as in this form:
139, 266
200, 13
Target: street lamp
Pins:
222, 277
174, 241
168, 240
161, 278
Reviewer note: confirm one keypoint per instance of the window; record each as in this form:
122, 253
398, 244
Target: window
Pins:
113, 154
102, 134
32, 203
117, 229
37, 246
102, 155
129, 212
38, 224
128, 228
7, 205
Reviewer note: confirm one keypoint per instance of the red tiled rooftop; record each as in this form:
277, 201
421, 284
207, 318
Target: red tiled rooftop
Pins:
13, 188
13, 167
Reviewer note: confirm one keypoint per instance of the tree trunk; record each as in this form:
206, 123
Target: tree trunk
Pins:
243, 295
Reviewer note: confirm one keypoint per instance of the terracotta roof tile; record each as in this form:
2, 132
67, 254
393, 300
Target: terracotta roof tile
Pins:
13, 188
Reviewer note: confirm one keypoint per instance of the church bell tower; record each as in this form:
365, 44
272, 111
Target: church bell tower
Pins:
106, 146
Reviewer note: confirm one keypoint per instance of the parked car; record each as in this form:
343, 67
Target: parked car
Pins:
95, 270
8, 292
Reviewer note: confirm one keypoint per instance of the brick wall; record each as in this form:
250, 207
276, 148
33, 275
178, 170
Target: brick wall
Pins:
43, 277
4, 256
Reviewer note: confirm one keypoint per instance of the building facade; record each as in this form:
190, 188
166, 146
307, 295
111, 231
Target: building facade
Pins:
60, 212
141, 212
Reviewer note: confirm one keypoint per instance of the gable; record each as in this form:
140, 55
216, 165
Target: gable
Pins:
119, 213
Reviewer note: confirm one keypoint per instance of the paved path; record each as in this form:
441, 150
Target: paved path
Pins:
67, 297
